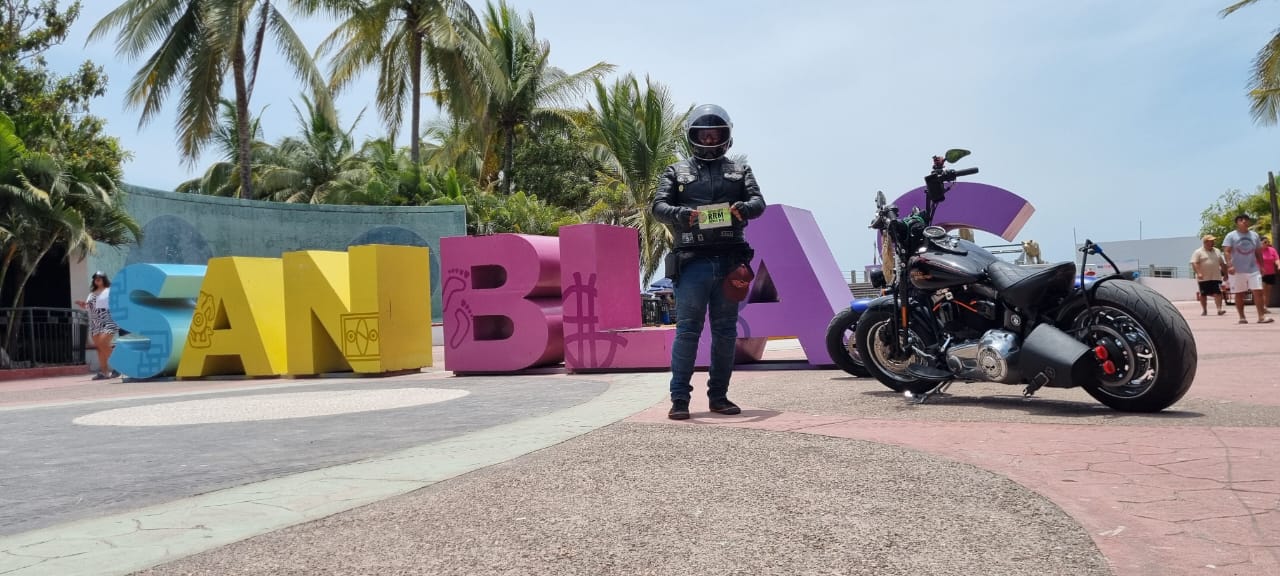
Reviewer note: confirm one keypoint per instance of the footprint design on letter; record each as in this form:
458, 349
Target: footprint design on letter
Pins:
462, 318
456, 280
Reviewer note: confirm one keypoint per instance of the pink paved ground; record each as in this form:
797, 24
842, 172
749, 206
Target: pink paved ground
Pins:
1160, 499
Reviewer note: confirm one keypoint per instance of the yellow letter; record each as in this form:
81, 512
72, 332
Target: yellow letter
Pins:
238, 324
368, 310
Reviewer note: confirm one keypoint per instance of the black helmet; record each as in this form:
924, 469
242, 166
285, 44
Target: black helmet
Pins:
709, 131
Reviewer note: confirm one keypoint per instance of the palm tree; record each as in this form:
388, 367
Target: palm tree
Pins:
1264, 82
1264, 94
222, 178
308, 168
511, 71
639, 133
394, 36
196, 43
82, 210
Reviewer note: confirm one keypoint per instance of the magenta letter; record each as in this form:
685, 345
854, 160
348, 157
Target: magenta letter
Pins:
501, 297
600, 278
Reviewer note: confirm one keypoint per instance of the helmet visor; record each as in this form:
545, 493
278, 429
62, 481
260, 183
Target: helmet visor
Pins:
708, 136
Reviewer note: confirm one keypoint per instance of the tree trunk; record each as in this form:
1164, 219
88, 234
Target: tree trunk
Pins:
415, 79
244, 155
509, 158
8, 259
1275, 230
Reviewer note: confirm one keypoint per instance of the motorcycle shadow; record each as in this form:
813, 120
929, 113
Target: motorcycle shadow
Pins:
1034, 406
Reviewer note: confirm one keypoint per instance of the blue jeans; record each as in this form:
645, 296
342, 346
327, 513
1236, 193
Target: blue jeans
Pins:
697, 289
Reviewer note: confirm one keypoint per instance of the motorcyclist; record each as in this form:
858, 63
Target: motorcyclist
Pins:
706, 201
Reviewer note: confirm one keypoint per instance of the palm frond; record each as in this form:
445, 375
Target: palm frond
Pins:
1264, 83
1229, 10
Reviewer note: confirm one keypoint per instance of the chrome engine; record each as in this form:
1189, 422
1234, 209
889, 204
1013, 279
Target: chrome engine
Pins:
990, 358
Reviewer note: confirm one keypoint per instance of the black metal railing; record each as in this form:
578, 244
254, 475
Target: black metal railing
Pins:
33, 337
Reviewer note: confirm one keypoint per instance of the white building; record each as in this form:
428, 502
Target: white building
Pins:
1163, 263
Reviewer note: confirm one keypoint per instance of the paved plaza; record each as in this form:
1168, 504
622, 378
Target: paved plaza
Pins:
555, 474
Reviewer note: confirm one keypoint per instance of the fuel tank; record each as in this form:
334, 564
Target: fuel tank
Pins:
948, 263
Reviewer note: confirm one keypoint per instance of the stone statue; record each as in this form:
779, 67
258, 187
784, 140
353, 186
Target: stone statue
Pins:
1031, 249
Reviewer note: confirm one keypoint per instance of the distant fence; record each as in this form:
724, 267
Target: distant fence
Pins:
34, 337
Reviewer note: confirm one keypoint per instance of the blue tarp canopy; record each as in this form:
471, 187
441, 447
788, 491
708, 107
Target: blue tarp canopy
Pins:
660, 284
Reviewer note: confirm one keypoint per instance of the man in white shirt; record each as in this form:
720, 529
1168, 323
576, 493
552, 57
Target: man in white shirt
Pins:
1243, 249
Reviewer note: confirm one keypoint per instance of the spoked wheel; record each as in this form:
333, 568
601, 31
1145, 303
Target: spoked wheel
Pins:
1144, 349
874, 343
842, 343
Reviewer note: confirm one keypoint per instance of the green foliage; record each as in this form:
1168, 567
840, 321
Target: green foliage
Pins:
639, 133
1219, 218
59, 171
492, 213
1264, 77
558, 164
199, 44
512, 85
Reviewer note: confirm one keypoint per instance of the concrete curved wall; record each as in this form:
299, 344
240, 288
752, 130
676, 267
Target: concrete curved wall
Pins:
190, 229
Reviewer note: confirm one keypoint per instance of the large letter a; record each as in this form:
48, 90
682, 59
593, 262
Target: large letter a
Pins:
799, 286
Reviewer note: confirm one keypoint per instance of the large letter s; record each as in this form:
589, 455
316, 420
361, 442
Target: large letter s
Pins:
154, 302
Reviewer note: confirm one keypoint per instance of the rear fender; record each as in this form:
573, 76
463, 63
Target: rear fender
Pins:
1081, 298
861, 304
880, 304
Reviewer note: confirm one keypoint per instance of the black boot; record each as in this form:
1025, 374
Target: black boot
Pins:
679, 410
722, 405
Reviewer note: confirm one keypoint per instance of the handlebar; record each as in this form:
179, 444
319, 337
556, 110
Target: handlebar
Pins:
934, 182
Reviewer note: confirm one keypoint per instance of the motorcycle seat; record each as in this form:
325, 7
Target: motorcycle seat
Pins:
1023, 288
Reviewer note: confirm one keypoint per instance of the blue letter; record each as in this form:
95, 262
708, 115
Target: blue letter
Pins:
154, 302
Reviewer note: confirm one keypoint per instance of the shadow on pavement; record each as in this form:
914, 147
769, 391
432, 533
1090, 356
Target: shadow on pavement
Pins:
1037, 406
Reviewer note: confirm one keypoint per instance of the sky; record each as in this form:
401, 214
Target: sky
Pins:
1115, 120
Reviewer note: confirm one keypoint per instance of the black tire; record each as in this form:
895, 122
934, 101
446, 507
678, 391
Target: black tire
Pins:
1159, 326
840, 343
871, 322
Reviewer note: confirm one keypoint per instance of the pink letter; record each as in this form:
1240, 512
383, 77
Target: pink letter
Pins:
501, 297
600, 279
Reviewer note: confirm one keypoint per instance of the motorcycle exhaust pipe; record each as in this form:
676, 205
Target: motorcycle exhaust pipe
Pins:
1051, 357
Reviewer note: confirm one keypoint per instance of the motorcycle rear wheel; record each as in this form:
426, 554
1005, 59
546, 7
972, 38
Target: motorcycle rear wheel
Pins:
874, 351
842, 343
1148, 341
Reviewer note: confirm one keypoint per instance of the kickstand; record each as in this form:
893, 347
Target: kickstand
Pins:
1035, 384
922, 398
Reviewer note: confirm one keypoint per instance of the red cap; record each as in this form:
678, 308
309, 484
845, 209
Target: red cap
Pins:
738, 283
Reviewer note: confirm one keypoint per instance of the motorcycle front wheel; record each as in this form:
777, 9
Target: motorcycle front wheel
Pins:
1148, 343
874, 347
842, 343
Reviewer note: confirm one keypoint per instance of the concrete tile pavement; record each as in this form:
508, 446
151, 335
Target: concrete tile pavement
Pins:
122, 543
1191, 491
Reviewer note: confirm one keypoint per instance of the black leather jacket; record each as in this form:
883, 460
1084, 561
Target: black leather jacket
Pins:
686, 185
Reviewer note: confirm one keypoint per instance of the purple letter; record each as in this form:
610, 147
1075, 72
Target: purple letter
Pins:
798, 286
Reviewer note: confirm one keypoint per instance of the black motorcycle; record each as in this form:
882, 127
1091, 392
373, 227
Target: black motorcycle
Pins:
952, 311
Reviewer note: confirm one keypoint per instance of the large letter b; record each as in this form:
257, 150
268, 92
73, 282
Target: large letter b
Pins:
501, 297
